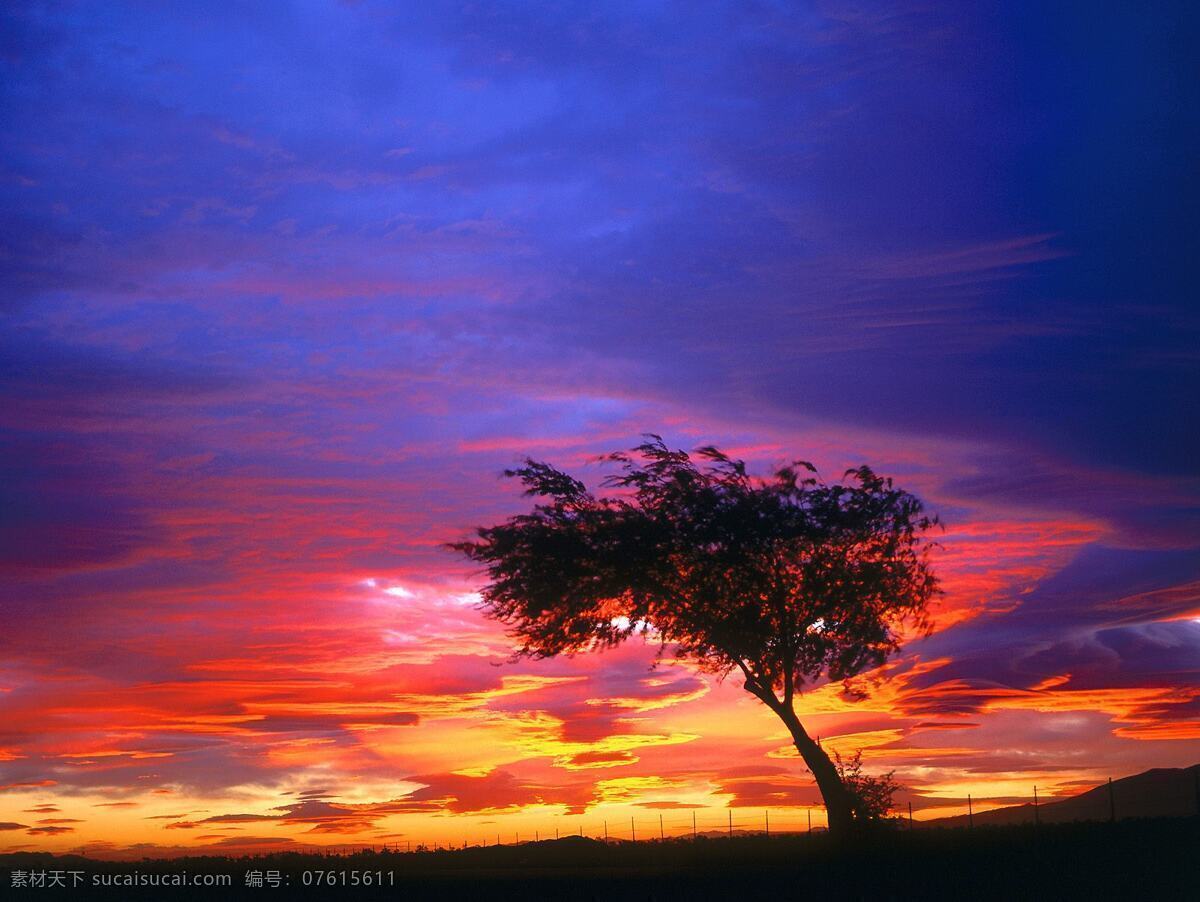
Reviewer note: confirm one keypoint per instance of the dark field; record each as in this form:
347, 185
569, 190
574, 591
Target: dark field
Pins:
1134, 859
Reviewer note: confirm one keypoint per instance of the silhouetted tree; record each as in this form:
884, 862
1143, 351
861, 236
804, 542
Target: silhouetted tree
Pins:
784, 580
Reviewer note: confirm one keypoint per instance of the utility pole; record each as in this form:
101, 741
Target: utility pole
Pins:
970, 812
632, 830
1112, 802
731, 823
605, 831
910, 823
693, 823
1036, 818
661, 835
767, 821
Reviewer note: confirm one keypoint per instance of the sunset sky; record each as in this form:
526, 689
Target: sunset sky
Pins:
286, 288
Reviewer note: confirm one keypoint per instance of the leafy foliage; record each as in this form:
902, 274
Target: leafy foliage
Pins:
785, 579
870, 796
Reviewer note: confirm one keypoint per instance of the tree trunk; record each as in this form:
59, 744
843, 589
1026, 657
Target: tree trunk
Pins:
833, 790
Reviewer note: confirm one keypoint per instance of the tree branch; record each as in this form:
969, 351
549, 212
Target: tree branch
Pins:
755, 687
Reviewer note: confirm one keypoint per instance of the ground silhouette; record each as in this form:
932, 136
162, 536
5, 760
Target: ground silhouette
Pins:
1136, 858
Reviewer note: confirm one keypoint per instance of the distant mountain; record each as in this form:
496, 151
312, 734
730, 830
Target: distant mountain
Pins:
1162, 792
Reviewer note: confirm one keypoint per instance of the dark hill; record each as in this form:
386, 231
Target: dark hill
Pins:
1161, 792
